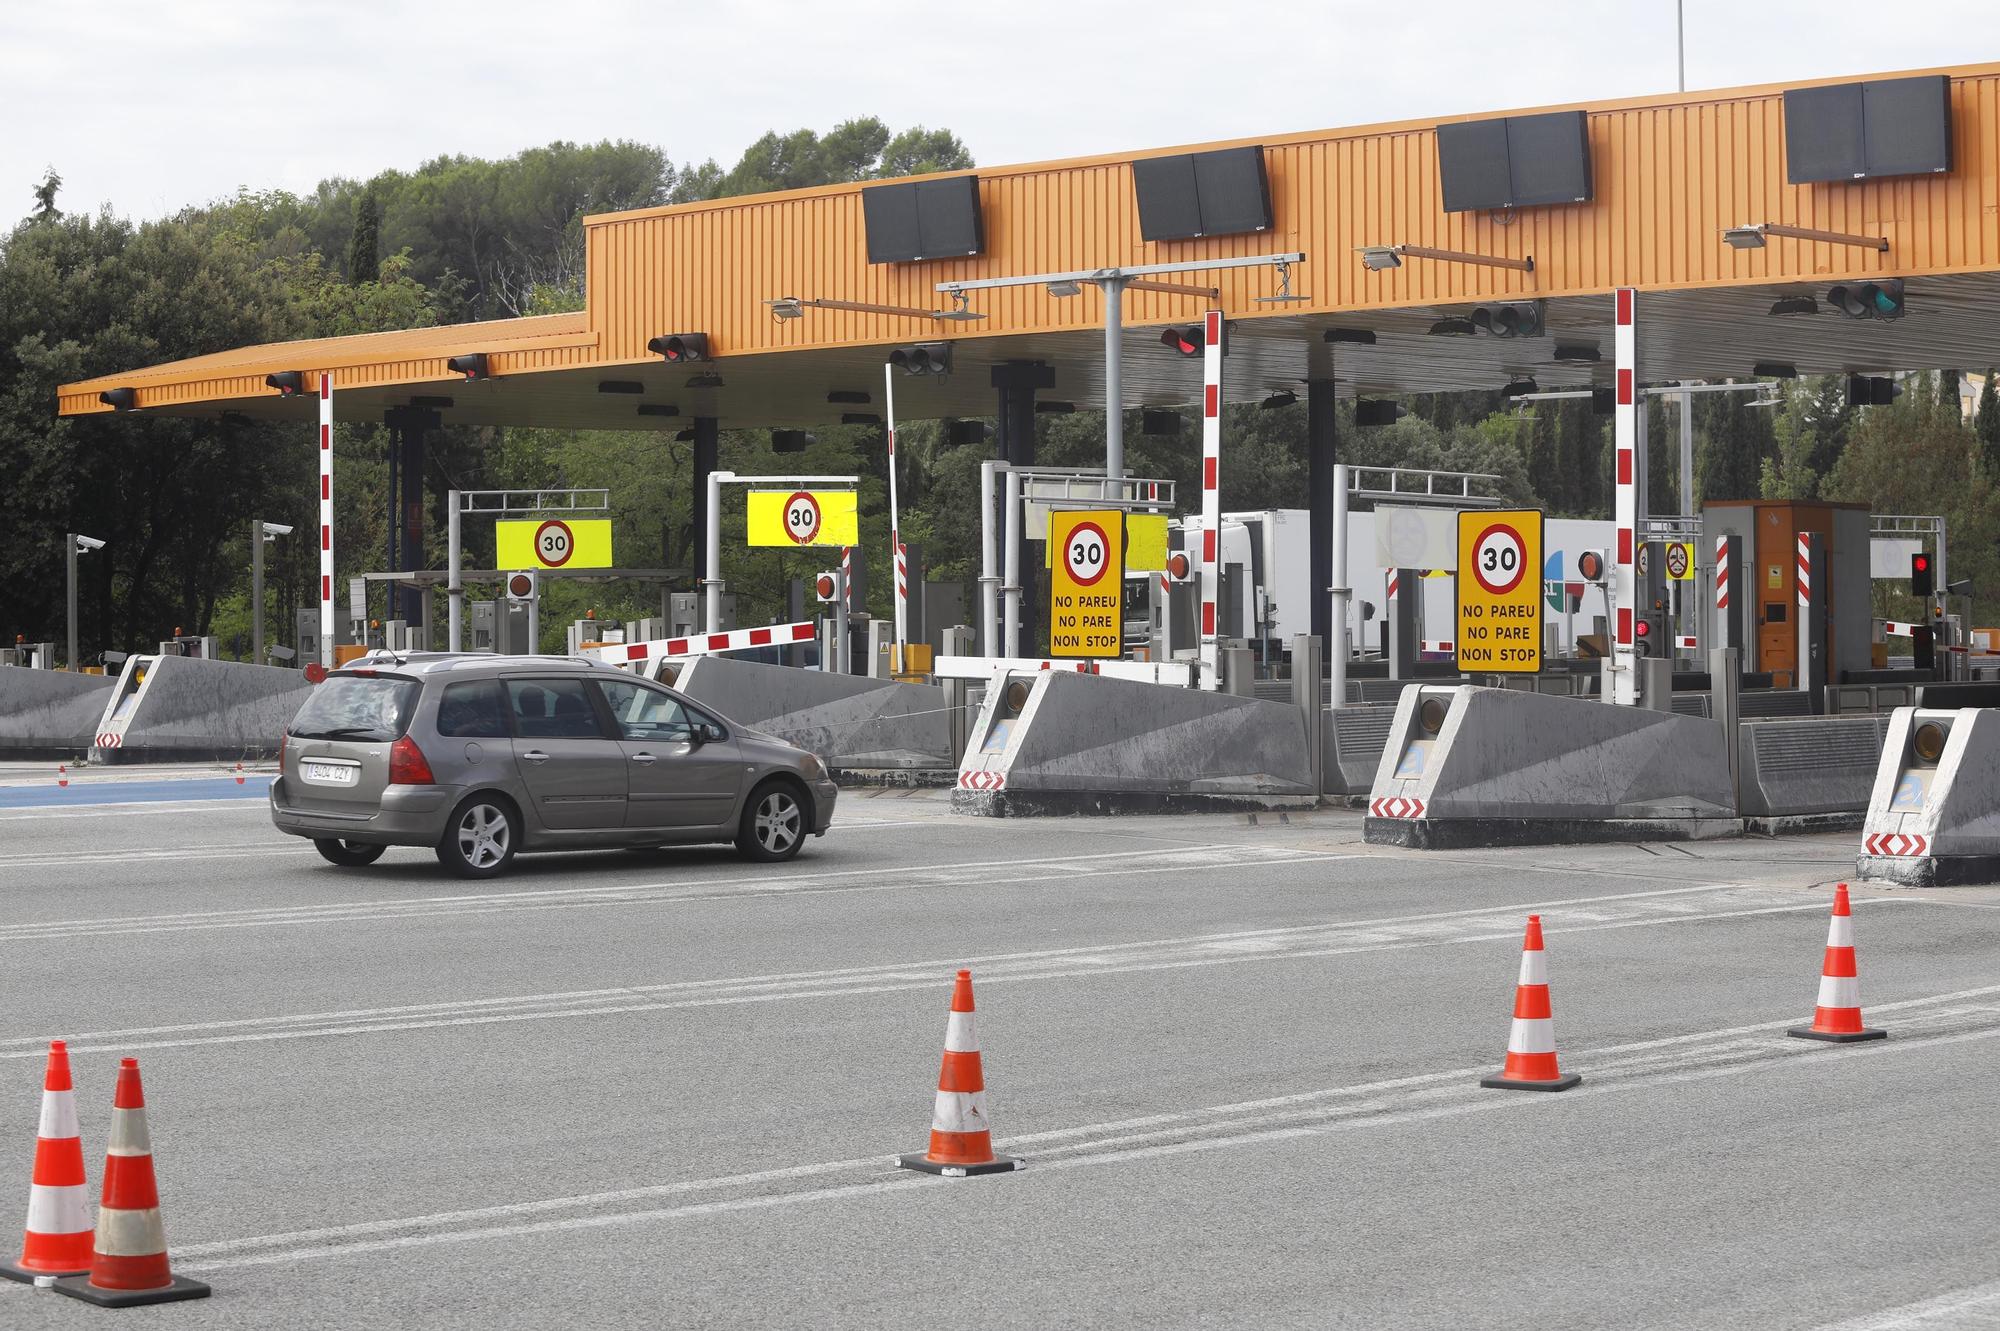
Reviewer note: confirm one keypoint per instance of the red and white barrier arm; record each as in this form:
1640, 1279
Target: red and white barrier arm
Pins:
1179, 674
705, 644
1896, 629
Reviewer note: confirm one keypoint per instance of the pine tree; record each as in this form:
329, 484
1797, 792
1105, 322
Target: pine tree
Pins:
364, 264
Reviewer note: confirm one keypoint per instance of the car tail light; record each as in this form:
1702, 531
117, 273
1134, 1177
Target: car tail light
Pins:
408, 766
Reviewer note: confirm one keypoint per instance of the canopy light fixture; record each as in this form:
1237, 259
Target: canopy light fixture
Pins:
1361, 337
860, 418
1454, 327
1752, 237
120, 399
684, 436
851, 396
1065, 289
1380, 257
435, 403
658, 409
1054, 408
1282, 398
794, 307
289, 383
792, 441
235, 419
963, 432
1770, 369
620, 386
1520, 388
1788, 305
1577, 354
1284, 296
708, 380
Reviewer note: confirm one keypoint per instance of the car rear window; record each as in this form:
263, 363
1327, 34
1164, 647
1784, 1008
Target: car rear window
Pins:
472, 709
366, 707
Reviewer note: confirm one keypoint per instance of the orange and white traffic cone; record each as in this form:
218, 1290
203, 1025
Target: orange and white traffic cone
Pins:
1531, 1042
961, 1138
128, 1262
58, 1230
1837, 1017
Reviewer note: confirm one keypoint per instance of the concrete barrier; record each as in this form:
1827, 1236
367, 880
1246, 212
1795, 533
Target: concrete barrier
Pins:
852, 722
181, 708
1353, 737
1060, 742
1817, 771
1934, 813
1467, 766
49, 713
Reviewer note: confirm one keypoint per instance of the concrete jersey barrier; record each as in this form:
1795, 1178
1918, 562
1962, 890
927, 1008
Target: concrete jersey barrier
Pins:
850, 721
49, 713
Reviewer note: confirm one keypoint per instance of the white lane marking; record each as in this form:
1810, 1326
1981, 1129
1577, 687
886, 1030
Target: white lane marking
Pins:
1481, 925
971, 872
131, 808
44, 859
1609, 1070
1960, 1310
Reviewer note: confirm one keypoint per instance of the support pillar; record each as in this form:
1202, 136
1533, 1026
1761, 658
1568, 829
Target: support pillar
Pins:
1727, 624
1405, 591
407, 428
1321, 456
1017, 381
707, 439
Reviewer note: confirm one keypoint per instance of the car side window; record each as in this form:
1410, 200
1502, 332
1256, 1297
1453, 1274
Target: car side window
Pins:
643, 713
697, 717
552, 709
472, 709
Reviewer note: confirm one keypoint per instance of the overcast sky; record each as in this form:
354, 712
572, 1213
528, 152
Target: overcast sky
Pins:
151, 106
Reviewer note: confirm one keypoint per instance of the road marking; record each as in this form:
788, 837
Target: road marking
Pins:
1485, 924
1960, 1310
1935, 1020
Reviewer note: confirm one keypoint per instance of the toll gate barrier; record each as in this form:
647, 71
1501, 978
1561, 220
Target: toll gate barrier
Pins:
1056, 741
49, 713
853, 722
186, 708
1470, 766
1813, 772
1934, 814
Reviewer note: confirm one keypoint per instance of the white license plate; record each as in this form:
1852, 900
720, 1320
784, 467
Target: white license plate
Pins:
329, 774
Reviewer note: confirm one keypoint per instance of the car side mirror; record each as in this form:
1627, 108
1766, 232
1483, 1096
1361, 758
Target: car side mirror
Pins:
697, 736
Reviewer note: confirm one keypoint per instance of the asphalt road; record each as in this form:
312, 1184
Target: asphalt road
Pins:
663, 1090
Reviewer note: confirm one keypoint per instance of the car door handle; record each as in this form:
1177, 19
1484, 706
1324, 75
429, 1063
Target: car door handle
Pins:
644, 758
535, 756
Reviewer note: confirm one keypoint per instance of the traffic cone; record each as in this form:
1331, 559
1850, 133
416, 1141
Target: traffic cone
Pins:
128, 1261
961, 1138
1531, 1042
1838, 1014
57, 1242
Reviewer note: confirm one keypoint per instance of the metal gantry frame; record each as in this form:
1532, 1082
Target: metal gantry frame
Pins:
502, 503
711, 568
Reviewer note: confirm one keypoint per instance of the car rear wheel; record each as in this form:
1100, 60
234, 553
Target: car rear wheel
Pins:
480, 839
774, 823
347, 854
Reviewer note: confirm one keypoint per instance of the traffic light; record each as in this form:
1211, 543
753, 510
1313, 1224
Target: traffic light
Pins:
1923, 647
1590, 565
1186, 341
289, 383
1868, 300
521, 586
1649, 634
961, 432
923, 358
1516, 319
120, 399
1378, 411
1920, 574
472, 366
1864, 391
826, 585
1179, 568
680, 348
792, 441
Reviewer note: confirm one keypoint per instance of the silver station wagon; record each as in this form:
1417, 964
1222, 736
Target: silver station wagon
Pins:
482, 757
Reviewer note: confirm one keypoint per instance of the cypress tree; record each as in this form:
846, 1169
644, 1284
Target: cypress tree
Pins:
364, 263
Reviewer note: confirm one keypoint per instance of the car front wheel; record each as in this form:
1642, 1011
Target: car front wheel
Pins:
480, 839
774, 824
347, 854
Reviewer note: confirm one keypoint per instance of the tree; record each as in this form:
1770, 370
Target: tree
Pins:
363, 259
45, 197
1986, 423
920, 151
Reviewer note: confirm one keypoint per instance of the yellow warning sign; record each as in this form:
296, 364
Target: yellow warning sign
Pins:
803, 517
1145, 544
553, 543
1499, 591
1680, 561
1086, 584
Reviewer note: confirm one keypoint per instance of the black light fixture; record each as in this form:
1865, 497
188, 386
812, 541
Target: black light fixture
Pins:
860, 418
472, 366
435, 403
620, 386
1054, 408
1520, 388
1378, 411
120, 399
967, 432
1868, 300
1283, 398
709, 380
1158, 421
1454, 326
923, 358
1771, 369
684, 436
1602, 402
1184, 341
658, 409
791, 441
289, 383
847, 395
680, 348
1363, 337
1577, 353
1794, 305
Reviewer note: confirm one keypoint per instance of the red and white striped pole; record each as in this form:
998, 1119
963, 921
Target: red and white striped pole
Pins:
896, 555
1625, 436
1805, 572
1211, 494
326, 519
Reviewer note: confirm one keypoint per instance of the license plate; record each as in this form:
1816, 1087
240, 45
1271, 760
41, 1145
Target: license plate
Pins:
329, 774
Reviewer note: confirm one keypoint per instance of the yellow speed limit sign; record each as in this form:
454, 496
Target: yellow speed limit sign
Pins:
1087, 583
803, 517
1499, 591
553, 543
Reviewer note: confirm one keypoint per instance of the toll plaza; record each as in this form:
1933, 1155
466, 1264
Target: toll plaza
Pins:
1405, 639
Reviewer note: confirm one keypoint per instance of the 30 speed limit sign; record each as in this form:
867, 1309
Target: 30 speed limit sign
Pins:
554, 543
802, 518
1087, 583
1087, 553
1499, 603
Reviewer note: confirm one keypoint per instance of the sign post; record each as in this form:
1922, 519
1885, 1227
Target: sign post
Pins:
326, 636
1087, 584
1500, 592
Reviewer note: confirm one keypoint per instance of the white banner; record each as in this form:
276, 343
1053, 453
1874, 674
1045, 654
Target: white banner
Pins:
1419, 538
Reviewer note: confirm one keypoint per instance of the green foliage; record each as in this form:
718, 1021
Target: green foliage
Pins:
1986, 422
364, 260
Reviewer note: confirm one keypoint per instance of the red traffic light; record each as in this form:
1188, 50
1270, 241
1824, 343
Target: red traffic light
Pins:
1187, 341
1590, 564
1177, 566
520, 584
1920, 562
1644, 628
315, 672
823, 587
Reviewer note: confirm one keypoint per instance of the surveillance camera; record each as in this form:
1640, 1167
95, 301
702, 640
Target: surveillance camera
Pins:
276, 529
280, 653
89, 543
